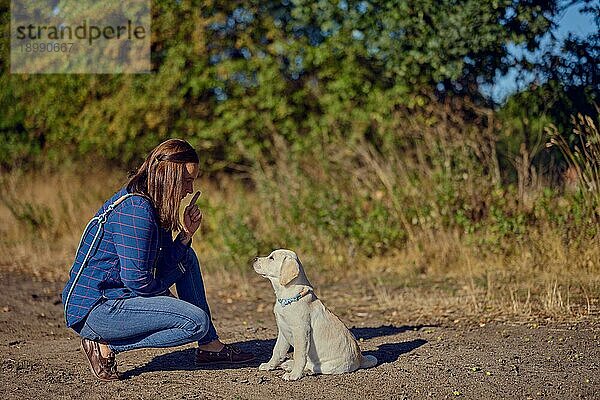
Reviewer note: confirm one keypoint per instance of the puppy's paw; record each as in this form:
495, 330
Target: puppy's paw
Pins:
266, 367
291, 376
287, 365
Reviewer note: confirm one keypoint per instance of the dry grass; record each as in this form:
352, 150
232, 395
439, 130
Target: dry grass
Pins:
42, 216
540, 278
421, 225
583, 158
435, 272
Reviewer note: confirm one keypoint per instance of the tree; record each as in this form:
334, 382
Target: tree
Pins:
232, 77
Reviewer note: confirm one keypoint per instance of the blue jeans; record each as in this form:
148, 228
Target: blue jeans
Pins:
160, 321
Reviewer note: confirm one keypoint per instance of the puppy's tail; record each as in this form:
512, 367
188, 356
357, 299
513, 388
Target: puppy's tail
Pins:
368, 361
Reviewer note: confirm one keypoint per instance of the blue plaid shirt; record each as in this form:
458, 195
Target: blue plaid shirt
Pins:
133, 257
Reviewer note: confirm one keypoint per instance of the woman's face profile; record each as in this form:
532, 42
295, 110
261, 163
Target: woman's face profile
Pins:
190, 173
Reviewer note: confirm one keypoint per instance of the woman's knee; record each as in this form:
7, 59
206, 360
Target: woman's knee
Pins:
197, 323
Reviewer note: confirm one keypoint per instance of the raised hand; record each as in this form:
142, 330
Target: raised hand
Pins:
192, 217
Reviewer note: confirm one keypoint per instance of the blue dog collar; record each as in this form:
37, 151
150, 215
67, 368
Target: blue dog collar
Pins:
290, 300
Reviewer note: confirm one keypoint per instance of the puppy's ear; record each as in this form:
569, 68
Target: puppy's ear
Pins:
289, 271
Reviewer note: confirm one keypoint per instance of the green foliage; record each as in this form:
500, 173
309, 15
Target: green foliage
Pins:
231, 76
343, 114
567, 83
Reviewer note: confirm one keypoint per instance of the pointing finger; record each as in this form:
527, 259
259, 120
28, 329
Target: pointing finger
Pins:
196, 195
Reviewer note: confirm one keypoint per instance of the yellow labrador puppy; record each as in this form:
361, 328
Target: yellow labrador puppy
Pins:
322, 343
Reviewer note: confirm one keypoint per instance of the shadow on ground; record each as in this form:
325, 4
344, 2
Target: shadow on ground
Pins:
386, 330
390, 352
183, 360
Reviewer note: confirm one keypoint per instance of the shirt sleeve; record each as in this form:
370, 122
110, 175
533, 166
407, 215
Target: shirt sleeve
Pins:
173, 254
135, 235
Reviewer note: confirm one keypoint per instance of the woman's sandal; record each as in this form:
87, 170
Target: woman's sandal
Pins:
103, 368
228, 355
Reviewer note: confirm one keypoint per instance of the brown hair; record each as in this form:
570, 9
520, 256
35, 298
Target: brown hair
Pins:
160, 178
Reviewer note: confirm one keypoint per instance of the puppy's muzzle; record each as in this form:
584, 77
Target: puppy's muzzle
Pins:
255, 264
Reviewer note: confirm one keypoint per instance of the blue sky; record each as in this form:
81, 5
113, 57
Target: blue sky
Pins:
572, 21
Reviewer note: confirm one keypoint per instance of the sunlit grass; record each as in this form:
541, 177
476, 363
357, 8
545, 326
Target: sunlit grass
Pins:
416, 234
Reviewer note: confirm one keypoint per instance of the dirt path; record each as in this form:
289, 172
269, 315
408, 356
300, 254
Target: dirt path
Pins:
500, 360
